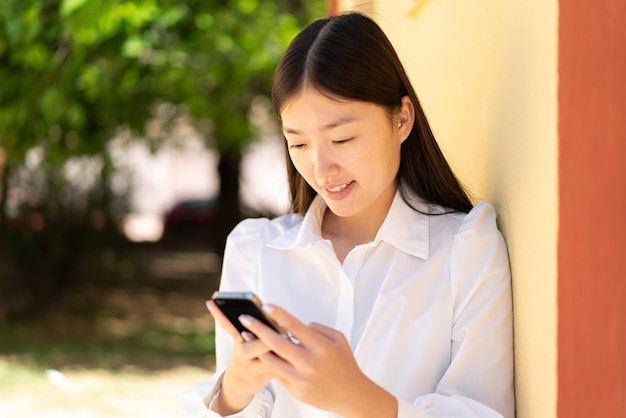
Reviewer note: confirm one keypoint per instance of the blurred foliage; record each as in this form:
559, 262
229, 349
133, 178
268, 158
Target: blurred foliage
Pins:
56, 238
76, 73
73, 72
148, 324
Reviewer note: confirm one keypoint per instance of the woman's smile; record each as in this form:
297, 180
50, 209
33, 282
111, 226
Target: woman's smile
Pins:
348, 151
338, 192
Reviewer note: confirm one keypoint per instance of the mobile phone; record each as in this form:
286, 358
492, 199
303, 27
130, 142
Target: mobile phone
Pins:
234, 304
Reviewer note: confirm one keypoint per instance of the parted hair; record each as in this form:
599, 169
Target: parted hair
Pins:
348, 56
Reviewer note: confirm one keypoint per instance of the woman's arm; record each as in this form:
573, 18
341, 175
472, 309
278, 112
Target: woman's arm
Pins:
221, 391
479, 379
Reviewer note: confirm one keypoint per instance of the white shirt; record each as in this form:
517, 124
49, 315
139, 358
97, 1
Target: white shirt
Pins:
426, 307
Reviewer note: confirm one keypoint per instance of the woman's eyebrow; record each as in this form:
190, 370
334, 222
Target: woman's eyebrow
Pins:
291, 131
333, 124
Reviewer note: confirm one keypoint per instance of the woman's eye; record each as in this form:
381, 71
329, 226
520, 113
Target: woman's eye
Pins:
343, 141
296, 146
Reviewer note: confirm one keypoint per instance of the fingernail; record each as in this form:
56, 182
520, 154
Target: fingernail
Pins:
208, 304
245, 320
247, 336
268, 308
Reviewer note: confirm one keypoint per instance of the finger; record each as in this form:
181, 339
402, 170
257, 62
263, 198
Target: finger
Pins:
254, 348
248, 336
278, 343
328, 332
291, 324
223, 321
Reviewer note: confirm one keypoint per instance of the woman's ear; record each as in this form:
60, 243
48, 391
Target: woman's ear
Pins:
405, 118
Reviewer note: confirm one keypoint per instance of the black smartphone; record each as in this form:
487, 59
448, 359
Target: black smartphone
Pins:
234, 304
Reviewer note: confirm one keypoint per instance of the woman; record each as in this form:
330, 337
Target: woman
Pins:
394, 286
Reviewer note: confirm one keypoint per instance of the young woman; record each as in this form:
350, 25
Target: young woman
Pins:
394, 287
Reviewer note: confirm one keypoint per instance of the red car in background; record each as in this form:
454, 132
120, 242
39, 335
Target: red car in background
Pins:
190, 220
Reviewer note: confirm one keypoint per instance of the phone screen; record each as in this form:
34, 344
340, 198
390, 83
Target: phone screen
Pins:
234, 304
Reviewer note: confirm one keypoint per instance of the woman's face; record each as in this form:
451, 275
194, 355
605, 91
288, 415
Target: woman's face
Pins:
347, 151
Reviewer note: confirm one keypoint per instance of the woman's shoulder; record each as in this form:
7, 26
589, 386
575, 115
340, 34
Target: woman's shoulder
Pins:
243, 248
480, 221
264, 229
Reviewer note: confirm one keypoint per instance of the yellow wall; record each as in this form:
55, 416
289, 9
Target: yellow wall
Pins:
486, 75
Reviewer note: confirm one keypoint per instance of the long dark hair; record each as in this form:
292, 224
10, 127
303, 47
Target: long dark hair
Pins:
349, 56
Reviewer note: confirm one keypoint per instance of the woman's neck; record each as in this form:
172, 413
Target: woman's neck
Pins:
345, 233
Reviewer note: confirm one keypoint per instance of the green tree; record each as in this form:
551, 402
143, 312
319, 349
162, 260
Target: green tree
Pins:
73, 73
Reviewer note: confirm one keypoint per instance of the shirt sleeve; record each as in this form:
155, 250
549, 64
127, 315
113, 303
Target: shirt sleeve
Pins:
479, 380
195, 402
238, 273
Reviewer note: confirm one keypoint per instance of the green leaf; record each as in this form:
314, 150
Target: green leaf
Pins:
204, 21
69, 6
134, 47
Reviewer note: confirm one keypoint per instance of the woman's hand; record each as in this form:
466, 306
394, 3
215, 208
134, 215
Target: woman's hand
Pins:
320, 369
245, 374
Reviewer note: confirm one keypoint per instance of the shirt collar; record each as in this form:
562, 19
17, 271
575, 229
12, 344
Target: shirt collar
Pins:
404, 227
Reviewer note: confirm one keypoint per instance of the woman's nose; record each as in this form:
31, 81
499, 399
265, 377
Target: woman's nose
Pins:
324, 163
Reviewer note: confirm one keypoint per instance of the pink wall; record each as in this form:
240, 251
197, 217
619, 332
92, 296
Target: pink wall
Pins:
592, 232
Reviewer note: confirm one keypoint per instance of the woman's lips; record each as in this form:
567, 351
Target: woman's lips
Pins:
340, 191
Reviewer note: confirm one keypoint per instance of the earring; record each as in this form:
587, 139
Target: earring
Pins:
399, 124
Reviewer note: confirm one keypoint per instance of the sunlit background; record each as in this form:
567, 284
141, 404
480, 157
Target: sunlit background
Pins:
133, 136
153, 182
